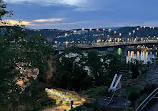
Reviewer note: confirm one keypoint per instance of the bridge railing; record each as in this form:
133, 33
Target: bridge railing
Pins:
147, 100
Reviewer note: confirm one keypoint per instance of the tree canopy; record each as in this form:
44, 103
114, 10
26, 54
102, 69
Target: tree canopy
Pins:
17, 49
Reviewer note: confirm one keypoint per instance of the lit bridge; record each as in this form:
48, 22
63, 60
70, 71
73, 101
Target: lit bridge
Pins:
116, 44
106, 38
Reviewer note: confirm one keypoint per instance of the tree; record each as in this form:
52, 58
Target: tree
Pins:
70, 73
2, 9
3, 12
95, 64
137, 68
115, 64
16, 48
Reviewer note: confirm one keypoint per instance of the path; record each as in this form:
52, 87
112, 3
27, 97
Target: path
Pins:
63, 99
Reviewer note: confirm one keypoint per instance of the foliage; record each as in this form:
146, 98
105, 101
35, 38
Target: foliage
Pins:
73, 49
15, 48
149, 88
33, 99
70, 74
96, 92
96, 67
115, 64
129, 109
137, 68
2, 7
133, 93
141, 99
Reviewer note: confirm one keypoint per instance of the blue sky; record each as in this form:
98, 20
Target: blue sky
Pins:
70, 14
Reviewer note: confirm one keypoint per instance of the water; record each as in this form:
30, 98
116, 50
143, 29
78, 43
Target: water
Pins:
130, 53
145, 56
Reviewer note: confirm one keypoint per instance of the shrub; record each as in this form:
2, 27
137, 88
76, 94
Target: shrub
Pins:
129, 109
96, 92
133, 93
149, 88
22, 108
140, 100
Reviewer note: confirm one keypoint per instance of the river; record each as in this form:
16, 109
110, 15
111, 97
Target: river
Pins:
129, 53
145, 56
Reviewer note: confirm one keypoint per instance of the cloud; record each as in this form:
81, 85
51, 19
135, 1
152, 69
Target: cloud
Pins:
17, 22
67, 23
52, 2
78, 5
31, 23
49, 20
62, 25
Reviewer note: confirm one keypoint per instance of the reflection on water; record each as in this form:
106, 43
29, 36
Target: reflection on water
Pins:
141, 55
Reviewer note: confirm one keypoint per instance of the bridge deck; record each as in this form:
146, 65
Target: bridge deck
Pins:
110, 44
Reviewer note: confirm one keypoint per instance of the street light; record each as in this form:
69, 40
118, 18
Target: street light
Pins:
129, 36
75, 31
129, 33
120, 34
114, 35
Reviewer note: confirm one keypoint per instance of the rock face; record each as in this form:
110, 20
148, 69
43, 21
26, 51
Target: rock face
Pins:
151, 76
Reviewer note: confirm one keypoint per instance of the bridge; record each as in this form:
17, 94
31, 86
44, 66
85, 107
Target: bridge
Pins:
117, 44
101, 37
109, 44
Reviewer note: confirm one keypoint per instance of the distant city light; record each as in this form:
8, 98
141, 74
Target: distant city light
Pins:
75, 31
66, 34
129, 33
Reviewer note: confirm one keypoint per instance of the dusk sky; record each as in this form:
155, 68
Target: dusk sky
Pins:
71, 14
